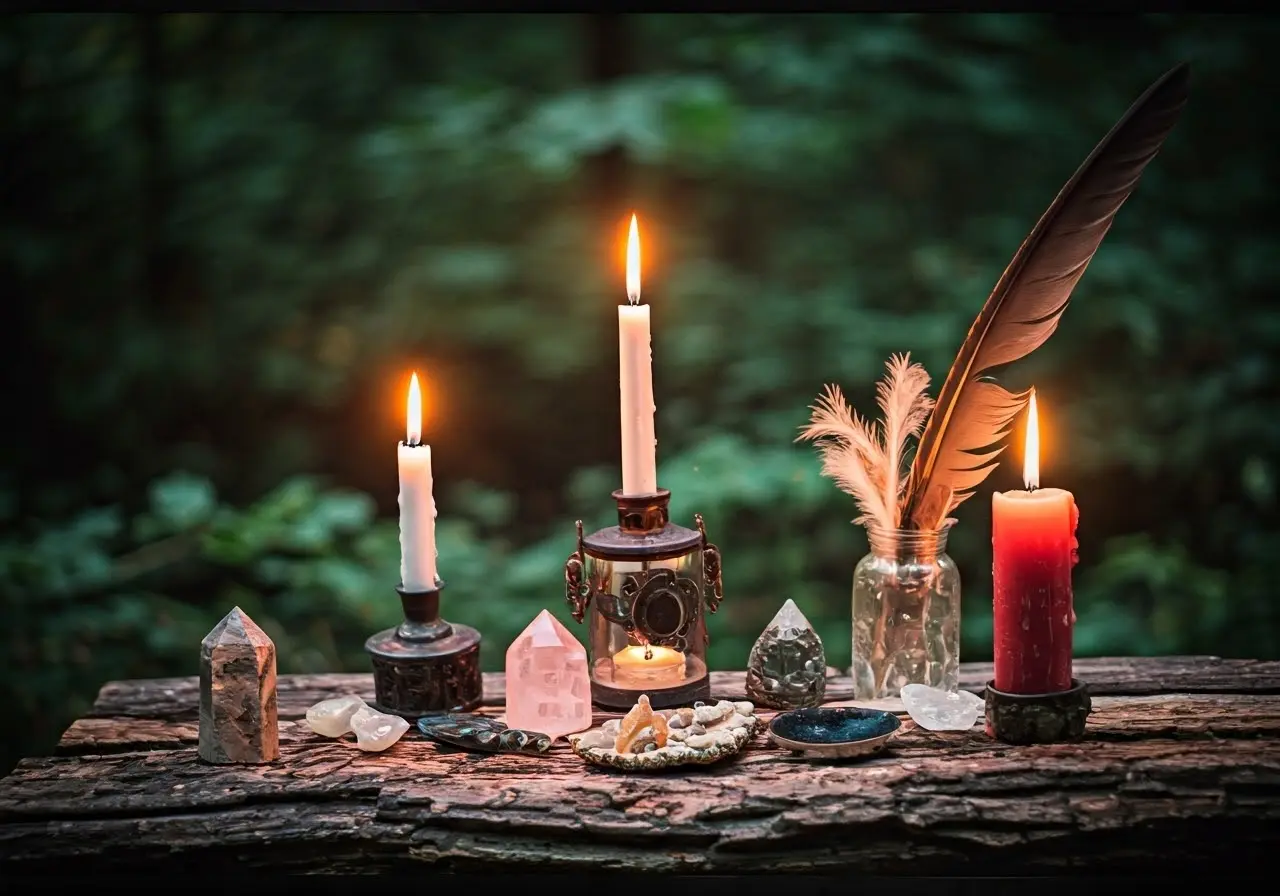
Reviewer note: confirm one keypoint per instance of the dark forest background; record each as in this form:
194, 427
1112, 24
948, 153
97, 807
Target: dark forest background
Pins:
226, 240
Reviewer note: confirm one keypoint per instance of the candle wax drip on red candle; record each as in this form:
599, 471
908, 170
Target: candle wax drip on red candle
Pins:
1075, 548
1075, 542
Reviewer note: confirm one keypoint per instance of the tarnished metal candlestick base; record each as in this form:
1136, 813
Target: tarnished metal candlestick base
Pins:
425, 665
1038, 718
646, 582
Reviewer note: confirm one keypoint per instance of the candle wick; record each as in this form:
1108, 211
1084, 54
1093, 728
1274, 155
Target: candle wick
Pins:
648, 652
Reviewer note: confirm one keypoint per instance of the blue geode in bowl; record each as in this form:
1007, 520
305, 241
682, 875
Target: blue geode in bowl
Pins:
835, 732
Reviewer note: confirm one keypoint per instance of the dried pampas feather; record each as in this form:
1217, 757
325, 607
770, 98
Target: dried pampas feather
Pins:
865, 459
851, 455
959, 446
905, 406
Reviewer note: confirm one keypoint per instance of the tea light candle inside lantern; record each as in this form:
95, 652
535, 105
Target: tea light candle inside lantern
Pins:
417, 504
647, 665
635, 382
1033, 536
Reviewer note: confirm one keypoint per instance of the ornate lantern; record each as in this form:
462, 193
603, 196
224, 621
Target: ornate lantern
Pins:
647, 585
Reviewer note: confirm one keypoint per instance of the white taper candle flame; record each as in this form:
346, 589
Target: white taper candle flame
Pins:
633, 262
413, 413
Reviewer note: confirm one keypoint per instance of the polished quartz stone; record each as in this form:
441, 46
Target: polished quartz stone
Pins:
548, 687
332, 718
376, 731
937, 710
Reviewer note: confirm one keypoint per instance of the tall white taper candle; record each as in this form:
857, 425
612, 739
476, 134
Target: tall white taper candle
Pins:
635, 380
417, 504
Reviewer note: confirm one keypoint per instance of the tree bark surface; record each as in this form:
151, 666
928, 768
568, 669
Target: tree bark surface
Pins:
1180, 766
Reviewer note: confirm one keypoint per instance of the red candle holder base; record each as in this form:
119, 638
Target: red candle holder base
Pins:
1038, 718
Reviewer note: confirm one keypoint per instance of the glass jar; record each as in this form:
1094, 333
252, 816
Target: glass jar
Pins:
906, 614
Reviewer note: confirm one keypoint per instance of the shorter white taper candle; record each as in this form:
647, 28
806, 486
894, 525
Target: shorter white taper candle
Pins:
417, 504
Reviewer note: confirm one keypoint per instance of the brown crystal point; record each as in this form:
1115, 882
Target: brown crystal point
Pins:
238, 715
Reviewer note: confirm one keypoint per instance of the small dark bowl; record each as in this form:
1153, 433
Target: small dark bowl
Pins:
834, 733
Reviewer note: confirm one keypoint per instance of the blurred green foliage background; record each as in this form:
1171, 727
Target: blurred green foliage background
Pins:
228, 239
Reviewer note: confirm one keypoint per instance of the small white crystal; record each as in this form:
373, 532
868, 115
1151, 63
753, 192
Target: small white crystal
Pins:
376, 731
937, 710
789, 622
332, 718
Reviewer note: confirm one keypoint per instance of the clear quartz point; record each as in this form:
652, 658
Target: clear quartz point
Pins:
937, 710
332, 718
789, 622
376, 731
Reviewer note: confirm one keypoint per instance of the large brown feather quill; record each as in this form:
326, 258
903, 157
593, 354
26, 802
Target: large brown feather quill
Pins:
959, 446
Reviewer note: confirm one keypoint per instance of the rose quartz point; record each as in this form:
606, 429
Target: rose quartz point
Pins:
548, 687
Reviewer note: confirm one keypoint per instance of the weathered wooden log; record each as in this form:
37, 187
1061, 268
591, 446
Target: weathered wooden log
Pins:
171, 698
1179, 779
1185, 716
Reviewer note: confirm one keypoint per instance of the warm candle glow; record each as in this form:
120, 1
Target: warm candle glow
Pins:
633, 262
647, 656
1031, 457
648, 665
413, 430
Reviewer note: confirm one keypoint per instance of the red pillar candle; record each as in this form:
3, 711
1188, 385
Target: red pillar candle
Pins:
1033, 539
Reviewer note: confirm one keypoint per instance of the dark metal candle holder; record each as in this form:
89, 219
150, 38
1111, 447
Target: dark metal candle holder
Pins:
425, 665
1038, 718
646, 582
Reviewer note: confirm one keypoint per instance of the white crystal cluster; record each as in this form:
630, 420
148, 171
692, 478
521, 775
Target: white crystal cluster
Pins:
938, 710
375, 731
